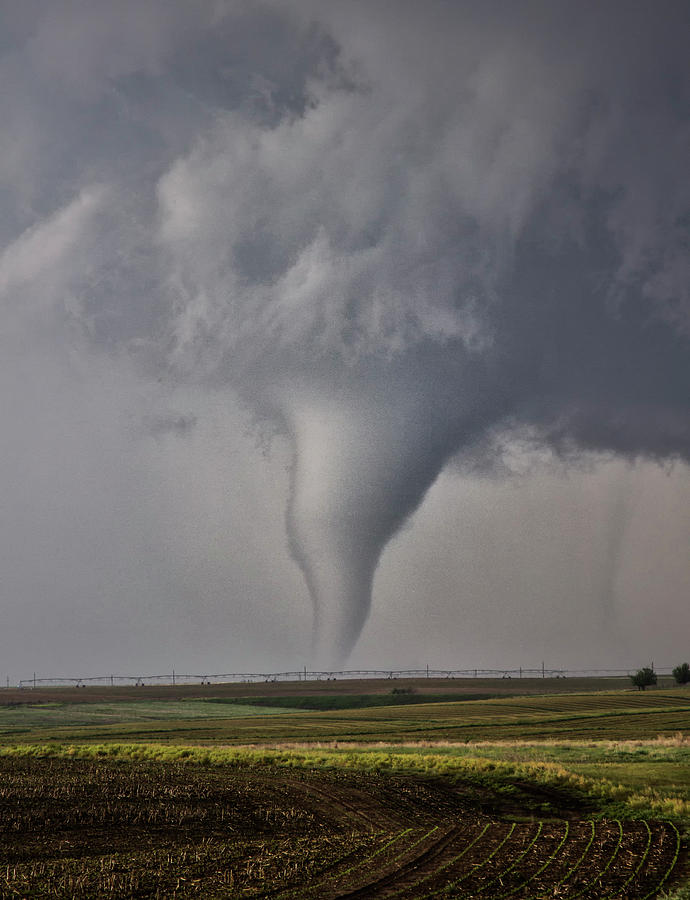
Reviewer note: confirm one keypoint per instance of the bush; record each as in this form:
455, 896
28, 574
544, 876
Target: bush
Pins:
643, 677
682, 673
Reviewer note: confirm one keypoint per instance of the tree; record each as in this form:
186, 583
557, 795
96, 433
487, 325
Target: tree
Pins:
643, 677
682, 673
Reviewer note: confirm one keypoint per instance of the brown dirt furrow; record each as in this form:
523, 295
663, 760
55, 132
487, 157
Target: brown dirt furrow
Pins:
386, 855
536, 863
358, 809
608, 874
644, 877
466, 860
572, 857
495, 874
614, 882
413, 870
586, 880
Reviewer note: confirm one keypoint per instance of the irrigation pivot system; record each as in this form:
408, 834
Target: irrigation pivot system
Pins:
305, 674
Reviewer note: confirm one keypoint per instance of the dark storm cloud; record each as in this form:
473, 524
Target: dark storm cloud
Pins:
402, 234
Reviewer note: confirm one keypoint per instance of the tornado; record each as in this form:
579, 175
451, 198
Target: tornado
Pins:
362, 464
338, 520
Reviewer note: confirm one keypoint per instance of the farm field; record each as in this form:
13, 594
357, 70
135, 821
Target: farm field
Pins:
154, 821
601, 715
527, 796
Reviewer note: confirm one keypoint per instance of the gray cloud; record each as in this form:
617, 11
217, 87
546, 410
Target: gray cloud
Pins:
171, 423
405, 238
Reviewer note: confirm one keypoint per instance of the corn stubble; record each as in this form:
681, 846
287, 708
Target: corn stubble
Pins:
110, 824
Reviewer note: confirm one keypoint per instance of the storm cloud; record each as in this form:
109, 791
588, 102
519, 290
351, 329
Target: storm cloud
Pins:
413, 242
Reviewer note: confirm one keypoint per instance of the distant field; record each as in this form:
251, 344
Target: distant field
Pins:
326, 687
594, 716
35, 717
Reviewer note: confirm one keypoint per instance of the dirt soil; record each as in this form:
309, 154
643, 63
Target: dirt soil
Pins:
92, 828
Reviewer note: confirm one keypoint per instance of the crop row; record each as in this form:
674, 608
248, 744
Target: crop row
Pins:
504, 861
496, 861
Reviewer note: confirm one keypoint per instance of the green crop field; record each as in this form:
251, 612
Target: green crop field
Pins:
190, 794
611, 715
35, 717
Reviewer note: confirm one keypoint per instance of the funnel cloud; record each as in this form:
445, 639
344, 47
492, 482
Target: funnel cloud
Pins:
410, 243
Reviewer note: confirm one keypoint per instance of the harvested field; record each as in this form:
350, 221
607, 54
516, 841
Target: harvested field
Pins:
90, 827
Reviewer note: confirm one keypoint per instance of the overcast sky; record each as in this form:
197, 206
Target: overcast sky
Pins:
343, 333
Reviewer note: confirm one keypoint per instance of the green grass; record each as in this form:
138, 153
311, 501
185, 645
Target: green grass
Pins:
657, 770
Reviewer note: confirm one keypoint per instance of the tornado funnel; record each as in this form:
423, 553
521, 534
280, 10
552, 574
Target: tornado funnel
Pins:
360, 468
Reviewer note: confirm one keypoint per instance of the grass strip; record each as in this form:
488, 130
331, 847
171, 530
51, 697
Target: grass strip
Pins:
667, 873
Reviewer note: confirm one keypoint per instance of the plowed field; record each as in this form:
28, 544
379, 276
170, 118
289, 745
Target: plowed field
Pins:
124, 828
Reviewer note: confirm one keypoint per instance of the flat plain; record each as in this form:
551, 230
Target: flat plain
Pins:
400, 790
